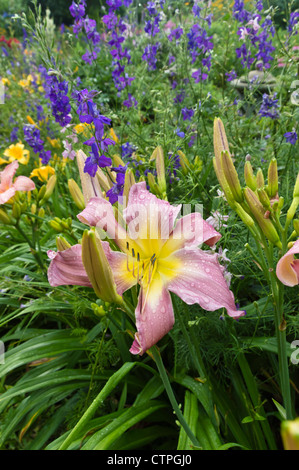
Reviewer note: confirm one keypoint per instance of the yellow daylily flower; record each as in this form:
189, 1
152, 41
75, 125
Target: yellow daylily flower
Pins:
15, 152
82, 127
5, 81
31, 121
54, 142
43, 173
114, 136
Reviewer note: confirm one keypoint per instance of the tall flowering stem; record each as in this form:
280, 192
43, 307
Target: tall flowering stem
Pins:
259, 207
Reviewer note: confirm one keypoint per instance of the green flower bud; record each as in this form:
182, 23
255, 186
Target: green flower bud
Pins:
260, 181
296, 188
293, 207
159, 156
76, 194
49, 188
41, 192
258, 212
250, 179
55, 226
129, 181
184, 162
231, 176
98, 269
62, 244
5, 218
296, 225
264, 198
153, 184
272, 187
16, 210
41, 213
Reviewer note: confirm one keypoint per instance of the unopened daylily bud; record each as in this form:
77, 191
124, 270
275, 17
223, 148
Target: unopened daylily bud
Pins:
16, 210
293, 207
5, 218
117, 161
160, 166
33, 209
224, 184
264, 198
244, 216
129, 181
250, 179
91, 187
153, 184
55, 225
184, 162
41, 213
49, 188
104, 183
272, 187
41, 192
258, 212
290, 434
62, 244
197, 165
24, 206
231, 176
76, 194
296, 188
280, 203
260, 181
98, 269
66, 223
296, 225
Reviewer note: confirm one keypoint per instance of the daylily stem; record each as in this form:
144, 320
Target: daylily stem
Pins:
172, 399
280, 328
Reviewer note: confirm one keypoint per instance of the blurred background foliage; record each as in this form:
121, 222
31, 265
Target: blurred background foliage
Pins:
61, 14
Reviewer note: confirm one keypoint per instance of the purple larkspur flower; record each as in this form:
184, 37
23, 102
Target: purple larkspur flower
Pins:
231, 75
149, 55
187, 114
291, 137
180, 133
95, 160
130, 101
269, 107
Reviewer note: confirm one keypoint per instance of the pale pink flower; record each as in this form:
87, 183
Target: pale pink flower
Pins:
8, 187
287, 269
254, 23
157, 254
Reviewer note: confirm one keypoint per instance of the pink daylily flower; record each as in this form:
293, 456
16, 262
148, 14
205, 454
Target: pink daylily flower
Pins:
8, 187
157, 254
287, 269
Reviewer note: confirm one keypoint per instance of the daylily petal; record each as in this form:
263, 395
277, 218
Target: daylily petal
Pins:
99, 213
66, 268
200, 280
123, 279
7, 195
287, 269
191, 231
6, 176
148, 218
22, 183
154, 317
